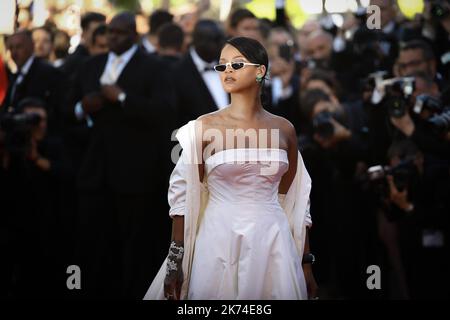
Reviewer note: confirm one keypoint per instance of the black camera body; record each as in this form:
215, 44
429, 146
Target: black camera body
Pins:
440, 123
322, 124
402, 174
393, 94
397, 97
286, 51
427, 102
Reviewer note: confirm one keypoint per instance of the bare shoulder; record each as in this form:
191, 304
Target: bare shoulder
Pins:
211, 118
286, 127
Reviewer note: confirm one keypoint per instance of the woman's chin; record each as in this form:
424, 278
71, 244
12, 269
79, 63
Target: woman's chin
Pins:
232, 88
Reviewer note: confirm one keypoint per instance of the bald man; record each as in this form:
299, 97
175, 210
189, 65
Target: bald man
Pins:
319, 45
123, 97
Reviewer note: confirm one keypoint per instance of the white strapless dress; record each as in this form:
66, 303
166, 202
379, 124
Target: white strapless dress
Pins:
244, 248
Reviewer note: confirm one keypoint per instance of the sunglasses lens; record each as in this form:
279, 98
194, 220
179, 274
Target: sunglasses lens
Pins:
237, 65
220, 67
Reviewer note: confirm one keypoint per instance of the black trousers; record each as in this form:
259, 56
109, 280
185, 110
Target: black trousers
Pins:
124, 239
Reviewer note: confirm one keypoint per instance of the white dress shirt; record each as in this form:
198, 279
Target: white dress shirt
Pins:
211, 79
148, 45
115, 65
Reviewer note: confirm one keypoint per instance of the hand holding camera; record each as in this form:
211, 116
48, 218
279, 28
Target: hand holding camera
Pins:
399, 198
329, 132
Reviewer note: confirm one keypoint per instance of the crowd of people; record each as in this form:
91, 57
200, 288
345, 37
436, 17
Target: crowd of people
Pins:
86, 141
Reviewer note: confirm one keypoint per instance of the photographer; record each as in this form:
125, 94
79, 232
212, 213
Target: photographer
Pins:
413, 220
34, 78
417, 56
279, 94
415, 122
32, 170
333, 150
334, 126
391, 114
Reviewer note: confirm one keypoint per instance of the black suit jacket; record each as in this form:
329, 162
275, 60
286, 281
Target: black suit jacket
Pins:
73, 62
193, 98
42, 81
128, 148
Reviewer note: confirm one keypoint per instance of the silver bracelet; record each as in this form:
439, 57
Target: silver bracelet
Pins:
175, 252
174, 258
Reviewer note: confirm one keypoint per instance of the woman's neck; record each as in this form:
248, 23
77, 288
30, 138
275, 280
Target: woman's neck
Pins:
246, 105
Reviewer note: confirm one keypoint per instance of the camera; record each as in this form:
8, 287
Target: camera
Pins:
322, 124
427, 102
19, 120
286, 51
315, 64
393, 94
402, 174
440, 123
397, 95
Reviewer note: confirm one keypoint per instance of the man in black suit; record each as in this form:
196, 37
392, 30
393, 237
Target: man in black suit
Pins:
197, 86
170, 45
123, 178
149, 42
34, 78
77, 133
89, 22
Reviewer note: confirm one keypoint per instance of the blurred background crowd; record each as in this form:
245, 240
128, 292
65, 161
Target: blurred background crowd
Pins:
90, 101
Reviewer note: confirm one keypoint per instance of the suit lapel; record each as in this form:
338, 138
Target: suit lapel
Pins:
20, 90
101, 67
129, 68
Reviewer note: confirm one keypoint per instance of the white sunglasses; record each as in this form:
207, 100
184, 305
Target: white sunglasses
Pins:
235, 65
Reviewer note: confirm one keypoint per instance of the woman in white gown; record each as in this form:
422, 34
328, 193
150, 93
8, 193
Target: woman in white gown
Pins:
240, 214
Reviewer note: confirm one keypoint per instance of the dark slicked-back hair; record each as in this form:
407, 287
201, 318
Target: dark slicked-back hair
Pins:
170, 35
309, 99
418, 44
240, 14
90, 17
157, 19
251, 49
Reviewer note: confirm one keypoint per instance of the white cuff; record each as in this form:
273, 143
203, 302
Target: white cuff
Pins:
79, 112
339, 44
